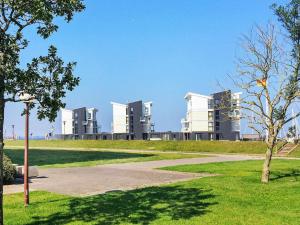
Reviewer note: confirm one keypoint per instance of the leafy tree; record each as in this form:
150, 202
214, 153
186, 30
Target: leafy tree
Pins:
291, 132
47, 78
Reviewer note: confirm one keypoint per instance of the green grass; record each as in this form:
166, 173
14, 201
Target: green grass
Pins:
296, 152
234, 197
181, 146
75, 158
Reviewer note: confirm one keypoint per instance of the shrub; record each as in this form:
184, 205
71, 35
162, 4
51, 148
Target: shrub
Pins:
9, 171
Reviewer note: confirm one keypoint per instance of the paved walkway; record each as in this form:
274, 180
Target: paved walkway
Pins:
84, 181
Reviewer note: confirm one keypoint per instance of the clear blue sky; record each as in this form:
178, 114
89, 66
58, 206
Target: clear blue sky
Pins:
154, 50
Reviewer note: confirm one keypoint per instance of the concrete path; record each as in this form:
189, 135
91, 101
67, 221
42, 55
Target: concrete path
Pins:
84, 181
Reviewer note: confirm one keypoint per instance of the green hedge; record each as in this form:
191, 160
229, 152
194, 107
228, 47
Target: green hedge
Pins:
9, 172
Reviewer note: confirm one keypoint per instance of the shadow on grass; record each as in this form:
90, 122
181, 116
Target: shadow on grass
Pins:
293, 173
48, 157
137, 207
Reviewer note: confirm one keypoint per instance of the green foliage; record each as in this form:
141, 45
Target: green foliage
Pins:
291, 132
47, 78
289, 16
9, 172
234, 197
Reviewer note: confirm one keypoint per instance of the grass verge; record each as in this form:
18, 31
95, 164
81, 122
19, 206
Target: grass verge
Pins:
234, 197
180, 146
75, 158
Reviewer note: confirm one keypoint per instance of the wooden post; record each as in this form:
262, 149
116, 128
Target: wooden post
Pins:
26, 185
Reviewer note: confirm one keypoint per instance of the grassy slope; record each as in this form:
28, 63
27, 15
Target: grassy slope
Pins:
296, 152
236, 197
74, 158
187, 146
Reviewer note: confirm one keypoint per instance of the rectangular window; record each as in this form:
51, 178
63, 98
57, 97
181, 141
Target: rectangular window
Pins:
217, 114
210, 104
217, 126
210, 126
210, 116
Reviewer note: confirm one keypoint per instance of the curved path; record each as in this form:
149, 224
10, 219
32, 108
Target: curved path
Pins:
83, 181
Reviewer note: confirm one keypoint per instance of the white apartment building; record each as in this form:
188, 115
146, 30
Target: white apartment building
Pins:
66, 121
199, 116
79, 121
132, 120
212, 117
120, 118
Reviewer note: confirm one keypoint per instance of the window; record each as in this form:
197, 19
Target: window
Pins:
210, 126
89, 116
217, 126
210, 115
217, 114
210, 103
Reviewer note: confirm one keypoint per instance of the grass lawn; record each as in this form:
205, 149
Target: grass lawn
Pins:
75, 158
236, 196
296, 152
181, 146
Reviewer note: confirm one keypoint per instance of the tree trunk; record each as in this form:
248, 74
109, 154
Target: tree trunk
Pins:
266, 167
2, 105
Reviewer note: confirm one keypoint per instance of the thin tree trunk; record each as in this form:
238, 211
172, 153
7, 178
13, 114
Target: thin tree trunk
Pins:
266, 167
2, 105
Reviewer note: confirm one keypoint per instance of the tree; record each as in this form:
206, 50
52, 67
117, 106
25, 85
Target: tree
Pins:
45, 77
268, 74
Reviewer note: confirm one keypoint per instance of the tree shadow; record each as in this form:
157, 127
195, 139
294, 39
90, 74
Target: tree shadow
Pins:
293, 173
140, 206
43, 157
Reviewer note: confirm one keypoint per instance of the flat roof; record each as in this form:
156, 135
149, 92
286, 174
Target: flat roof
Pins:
195, 94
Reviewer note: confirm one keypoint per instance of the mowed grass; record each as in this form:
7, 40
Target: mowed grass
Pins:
236, 196
296, 152
256, 147
77, 158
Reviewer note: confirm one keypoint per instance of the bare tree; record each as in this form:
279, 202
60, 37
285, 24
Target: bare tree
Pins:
270, 83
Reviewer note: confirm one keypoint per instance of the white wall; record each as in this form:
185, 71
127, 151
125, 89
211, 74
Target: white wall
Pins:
119, 118
147, 107
197, 113
66, 121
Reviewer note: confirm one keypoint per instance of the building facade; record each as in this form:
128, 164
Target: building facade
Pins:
132, 121
79, 122
214, 117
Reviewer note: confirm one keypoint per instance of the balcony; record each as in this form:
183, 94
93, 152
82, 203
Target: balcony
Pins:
235, 114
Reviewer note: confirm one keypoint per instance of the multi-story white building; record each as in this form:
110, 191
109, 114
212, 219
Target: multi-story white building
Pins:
212, 117
120, 118
132, 120
66, 121
79, 121
199, 116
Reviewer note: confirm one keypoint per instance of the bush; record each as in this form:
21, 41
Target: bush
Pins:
9, 171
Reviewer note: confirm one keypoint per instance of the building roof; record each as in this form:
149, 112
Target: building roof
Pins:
198, 95
115, 103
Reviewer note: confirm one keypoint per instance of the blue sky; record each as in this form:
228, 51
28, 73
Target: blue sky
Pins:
155, 50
